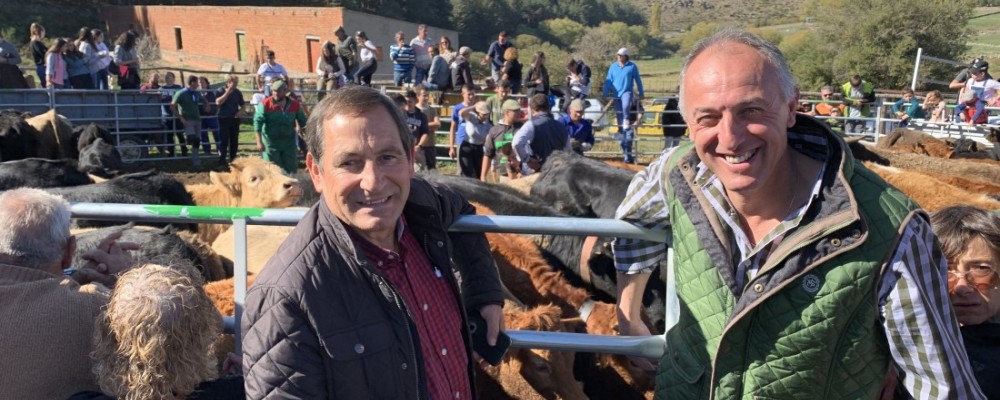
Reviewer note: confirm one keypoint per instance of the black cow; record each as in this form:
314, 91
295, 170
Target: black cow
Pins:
149, 187
101, 158
87, 134
562, 251
18, 139
41, 173
580, 186
158, 246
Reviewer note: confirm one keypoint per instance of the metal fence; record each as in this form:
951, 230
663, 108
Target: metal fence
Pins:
140, 120
646, 346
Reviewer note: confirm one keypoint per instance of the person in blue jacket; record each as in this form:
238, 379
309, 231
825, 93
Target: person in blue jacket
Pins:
623, 75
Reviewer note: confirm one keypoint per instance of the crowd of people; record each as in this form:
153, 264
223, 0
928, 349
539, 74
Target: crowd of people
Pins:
803, 276
82, 62
850, 109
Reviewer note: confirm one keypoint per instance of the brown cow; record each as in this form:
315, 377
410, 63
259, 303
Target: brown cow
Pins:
908, 140
528, 276
250, 182
531, 373
931, 194
964, 168
262, 240
55, 139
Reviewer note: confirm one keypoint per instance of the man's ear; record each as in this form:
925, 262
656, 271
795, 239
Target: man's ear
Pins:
793, 106
68, 253
312, 165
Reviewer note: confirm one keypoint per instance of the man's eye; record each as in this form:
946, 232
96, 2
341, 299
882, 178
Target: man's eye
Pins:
708, 120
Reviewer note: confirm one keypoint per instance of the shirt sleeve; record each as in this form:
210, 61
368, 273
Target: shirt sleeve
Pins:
919, 323
638, 82
521, 141
645, 205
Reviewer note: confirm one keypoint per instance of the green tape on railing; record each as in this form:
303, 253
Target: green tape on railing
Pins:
204, 211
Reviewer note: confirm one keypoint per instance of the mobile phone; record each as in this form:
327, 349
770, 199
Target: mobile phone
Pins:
492, 354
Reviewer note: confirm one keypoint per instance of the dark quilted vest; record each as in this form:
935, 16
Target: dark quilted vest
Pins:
807, 325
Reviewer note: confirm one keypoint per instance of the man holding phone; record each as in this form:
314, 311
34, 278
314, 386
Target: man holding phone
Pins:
362, 299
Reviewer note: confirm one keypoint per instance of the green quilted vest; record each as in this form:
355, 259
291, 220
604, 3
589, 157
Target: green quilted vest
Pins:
807, 326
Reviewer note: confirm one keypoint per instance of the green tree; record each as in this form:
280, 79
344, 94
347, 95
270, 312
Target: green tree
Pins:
809, 58
699, 31
564, 31
654, 19
879, 40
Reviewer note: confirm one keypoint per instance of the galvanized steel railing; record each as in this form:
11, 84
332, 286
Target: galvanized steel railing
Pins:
647, 346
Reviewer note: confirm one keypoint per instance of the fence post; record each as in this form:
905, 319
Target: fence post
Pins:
239, 277
916, 68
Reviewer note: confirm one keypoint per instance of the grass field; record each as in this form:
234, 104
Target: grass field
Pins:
985, 40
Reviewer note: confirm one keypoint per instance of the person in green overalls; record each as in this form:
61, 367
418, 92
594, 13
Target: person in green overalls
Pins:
274, 122
498, 139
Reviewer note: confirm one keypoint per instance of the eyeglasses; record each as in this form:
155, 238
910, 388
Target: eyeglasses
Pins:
983, 278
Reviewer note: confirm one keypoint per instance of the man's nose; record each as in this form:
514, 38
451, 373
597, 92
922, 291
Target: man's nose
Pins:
371, 176
732, 133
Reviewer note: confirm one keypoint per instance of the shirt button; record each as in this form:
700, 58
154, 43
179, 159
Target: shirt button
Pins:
457, 395
425, 306
359, 348
444, 352
440, 243
404, 366
380, 263
391, 257
758, 288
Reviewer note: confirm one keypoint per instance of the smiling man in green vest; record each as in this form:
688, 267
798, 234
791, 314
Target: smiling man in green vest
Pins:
799, 273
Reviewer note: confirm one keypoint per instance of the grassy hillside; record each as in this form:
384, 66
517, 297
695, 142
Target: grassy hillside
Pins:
985, 40
662, 76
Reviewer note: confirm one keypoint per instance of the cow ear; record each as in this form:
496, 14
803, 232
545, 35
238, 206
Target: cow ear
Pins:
227, 180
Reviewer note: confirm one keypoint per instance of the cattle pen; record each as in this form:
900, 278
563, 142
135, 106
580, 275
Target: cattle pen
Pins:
645, 346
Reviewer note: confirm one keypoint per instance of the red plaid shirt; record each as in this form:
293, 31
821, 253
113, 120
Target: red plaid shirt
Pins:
434, 309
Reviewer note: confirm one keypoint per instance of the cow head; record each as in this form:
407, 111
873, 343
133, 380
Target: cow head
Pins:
254, 182
532, 373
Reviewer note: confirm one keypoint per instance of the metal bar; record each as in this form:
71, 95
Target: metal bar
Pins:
267, 216
644, 346
916, 69
239, 276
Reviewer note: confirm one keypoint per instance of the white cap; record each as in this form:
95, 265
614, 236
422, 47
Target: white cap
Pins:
623, 52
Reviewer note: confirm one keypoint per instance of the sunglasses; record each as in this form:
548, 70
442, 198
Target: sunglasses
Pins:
982, 278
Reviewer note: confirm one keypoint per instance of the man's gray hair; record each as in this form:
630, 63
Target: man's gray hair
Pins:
352, 101
766, 49
35, 227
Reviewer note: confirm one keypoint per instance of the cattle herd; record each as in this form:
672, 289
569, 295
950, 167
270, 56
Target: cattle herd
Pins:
554, 282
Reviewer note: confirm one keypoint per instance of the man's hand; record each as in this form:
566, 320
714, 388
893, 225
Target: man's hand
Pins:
233, 365
451, 152
493, 315
108, 260
260, 144
630, 309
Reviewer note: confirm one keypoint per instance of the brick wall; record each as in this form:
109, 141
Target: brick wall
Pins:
209, 33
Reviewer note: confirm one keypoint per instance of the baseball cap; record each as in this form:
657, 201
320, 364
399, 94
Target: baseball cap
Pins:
510, 105
979, 66
967, 96
576, 105
279, 85
482, 108
623, 51
465, 50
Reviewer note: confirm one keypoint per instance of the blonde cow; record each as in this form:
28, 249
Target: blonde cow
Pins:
250, 182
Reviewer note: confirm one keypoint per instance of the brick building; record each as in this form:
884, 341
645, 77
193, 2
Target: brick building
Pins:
215, 37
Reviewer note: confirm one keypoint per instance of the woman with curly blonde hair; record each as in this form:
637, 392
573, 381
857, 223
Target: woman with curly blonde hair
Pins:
154, 340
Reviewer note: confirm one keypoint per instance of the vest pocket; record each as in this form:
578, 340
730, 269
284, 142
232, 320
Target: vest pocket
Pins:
363, 360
